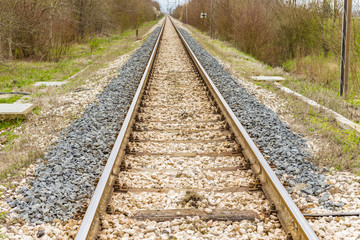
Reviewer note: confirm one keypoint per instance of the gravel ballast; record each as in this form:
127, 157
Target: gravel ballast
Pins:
64, 181
286, 149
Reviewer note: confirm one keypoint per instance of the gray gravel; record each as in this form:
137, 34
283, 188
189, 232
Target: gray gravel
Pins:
286, 149
65, 180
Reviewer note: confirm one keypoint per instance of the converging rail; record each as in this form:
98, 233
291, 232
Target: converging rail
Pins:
207, 134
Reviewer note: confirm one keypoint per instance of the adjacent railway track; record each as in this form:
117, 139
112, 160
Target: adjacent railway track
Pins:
183, 165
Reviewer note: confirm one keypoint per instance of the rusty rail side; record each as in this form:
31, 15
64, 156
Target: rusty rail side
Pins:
290, 216
102, 195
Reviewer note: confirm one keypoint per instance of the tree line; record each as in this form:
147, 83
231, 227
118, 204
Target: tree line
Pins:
44, 29
272, 31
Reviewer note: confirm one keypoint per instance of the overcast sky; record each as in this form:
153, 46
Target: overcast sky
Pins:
172, 4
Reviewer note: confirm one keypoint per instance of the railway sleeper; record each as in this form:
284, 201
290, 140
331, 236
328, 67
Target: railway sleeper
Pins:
213, 215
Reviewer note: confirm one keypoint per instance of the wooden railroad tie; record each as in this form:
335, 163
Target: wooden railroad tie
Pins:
216, 215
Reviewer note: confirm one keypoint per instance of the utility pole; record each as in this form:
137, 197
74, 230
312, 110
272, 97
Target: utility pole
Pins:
212, 19
186, 12
345, 49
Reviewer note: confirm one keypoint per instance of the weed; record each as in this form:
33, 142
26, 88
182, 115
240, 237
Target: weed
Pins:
24, 162
191, 199
2, 216
36, 110
7, 137
338, 167
13, 123
178, 175
94, 43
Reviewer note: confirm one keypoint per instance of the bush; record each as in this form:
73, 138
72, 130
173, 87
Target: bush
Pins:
94, 43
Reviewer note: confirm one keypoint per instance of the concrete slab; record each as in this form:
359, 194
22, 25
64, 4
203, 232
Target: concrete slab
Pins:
268, 78
15, 110
343, 121
49, 84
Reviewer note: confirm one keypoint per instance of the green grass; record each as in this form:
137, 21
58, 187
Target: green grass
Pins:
342, 148
349, 141
94, 43
2, 216
36, 111
15, 75
6, 124
10, 136
7, 136
11, 99
343, 152
23, 162
22, 73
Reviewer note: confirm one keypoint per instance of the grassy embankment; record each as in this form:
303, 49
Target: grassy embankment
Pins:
340, 148
82, 59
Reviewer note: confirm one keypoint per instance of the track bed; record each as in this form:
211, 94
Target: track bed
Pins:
183, 166
184, 180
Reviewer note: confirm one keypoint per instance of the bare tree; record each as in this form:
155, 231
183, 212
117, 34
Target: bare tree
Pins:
45, 28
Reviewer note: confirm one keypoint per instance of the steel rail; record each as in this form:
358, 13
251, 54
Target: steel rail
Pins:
340, 214
102, 195
290, 216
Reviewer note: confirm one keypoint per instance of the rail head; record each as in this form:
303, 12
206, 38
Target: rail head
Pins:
289, 214
88, 227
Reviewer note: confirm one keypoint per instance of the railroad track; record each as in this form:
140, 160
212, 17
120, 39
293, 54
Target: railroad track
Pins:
183, 166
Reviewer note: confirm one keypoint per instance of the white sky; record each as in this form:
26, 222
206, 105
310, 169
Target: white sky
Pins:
172, 4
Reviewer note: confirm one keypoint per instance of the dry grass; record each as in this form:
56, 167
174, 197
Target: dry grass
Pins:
318, 69
18, 159
191, 199
319, 78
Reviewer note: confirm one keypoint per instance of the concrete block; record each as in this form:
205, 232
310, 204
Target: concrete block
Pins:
49, 84
15, 110
268, 78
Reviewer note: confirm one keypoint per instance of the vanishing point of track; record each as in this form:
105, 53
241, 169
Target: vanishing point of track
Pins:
182, 156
